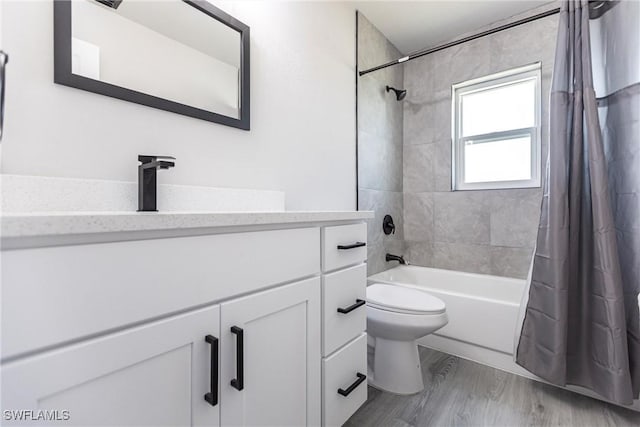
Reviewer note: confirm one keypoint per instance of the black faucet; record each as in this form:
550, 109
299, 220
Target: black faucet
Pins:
147, 182
391, 257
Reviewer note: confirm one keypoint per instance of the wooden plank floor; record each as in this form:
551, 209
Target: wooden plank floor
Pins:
459, 392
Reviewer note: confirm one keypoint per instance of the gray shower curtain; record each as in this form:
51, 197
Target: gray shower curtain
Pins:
581, 324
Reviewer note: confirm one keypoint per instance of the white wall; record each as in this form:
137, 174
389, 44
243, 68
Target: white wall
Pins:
302, 139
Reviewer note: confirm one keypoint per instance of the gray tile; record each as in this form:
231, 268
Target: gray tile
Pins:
369, 200
379, 112
372, 107
441, 116
393, 76
524, 44
370, 161
419, 253
462, 257
418, 216
461, 217
418, 80
394, 115
373, 47
365, 199
442, 165
418, 168
380, 145
375, 260
368, 43
440, 70
460, 63
382, 203
376, 256
427, 122
464, 224
515, 215
378, 244
511, 262
379, 162
417, 122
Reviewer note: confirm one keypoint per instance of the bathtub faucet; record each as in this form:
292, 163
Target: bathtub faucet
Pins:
400, 259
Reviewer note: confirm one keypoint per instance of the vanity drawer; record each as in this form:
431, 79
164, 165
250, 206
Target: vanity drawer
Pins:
345, 312
342, 374
344, 245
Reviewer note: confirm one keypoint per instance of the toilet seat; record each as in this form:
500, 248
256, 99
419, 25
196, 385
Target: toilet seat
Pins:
401, 299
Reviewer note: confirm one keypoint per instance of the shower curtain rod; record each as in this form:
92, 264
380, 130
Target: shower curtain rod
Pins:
462, 40
596, 9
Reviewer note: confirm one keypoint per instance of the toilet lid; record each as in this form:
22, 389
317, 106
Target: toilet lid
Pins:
403, 300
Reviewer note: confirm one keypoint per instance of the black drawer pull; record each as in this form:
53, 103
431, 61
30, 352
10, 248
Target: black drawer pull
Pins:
238, 381
359, 303
360, 380
352, 246
212, 396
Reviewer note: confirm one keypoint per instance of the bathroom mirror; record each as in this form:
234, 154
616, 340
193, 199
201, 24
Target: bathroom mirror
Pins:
184, 56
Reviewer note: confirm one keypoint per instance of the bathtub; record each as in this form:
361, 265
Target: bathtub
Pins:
483, 310
483, 313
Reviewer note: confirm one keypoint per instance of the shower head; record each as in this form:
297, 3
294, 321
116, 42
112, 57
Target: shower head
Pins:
400, 93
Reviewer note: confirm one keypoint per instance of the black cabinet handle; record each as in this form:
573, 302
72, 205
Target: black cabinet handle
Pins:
359, 303
356, 383
238, 381
352, 246
212, 396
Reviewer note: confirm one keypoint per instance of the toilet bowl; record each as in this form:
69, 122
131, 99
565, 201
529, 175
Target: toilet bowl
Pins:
396, 317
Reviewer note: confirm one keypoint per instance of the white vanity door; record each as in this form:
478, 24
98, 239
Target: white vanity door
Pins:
279, 382
153, 375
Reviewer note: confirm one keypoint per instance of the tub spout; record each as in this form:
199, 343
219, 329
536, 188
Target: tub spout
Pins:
400, 259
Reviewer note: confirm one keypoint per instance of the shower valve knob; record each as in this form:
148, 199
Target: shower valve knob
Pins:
388, 226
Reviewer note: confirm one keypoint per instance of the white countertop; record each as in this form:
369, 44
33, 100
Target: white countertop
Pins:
50, 211
15, 225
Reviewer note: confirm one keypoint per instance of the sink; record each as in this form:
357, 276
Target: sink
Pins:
34, 194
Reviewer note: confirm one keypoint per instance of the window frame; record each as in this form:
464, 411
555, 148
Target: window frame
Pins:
494, 81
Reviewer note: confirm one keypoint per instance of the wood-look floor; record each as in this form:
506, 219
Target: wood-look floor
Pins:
459, 392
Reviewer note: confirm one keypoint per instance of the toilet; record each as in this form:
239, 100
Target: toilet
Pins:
396, 317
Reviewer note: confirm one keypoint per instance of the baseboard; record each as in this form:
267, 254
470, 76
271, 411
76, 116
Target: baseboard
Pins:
499, 360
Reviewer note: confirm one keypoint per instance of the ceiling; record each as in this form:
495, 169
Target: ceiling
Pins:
416, 25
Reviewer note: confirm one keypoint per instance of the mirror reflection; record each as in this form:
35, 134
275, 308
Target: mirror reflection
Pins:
168, 49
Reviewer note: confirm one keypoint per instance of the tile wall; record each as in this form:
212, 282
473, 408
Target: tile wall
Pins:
380, 146
490, 232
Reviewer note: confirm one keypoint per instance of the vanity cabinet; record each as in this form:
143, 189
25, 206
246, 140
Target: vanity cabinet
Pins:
154, 374
278, 383
248, 318
158, 374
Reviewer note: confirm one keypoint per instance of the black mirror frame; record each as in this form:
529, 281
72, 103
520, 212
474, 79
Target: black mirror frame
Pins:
64, 76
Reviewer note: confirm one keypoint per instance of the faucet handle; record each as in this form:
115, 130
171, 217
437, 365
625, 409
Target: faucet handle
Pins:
148, 159
388, 226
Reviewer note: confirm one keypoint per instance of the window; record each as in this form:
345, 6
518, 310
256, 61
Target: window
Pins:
496, 131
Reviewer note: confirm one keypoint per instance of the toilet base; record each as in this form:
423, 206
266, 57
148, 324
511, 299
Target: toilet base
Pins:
396, 367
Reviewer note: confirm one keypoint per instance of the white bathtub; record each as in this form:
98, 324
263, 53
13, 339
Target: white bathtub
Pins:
482, 309
483, 312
